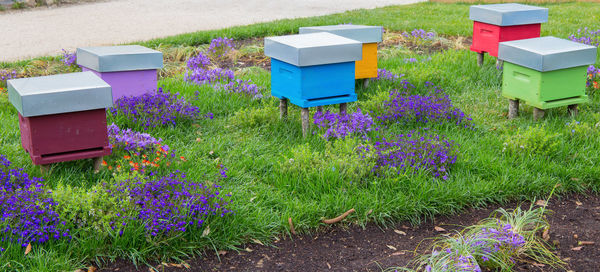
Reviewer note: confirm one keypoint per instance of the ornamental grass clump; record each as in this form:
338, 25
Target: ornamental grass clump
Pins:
586, 36
27, 213
156, 109
412, 152
495, 243
168, 205
340, 125
433, 107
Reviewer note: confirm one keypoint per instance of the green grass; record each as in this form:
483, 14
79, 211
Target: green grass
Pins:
275, 174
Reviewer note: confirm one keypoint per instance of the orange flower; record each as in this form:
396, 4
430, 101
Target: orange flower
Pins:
182, 158
596, 85
109, 167
126, 157
144, 156
104, 162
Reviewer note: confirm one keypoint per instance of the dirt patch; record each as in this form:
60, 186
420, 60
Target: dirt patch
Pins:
574, 230
419, 46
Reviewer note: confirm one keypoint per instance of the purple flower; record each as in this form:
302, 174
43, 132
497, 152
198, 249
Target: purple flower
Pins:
586, 36
419, 34
383, 74
434, 107
200, 61
131, 140
342, 125
155, 109
412, 151
26, 208
69, 59
220, 46
170, 204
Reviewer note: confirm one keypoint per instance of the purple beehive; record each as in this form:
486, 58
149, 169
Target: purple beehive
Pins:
131, 70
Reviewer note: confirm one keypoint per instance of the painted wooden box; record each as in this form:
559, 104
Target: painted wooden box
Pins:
369, 36
497, 23
131, 70
313, 69
62, 117
546, 72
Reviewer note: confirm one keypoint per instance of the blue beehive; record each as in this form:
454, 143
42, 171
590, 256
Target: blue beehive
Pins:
314, 69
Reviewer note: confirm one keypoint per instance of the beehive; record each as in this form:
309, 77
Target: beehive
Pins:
313, 69
546, 72
497, 23
62, 117
131, 70
369, 36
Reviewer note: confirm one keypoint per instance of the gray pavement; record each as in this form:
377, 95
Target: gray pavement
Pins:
45, 31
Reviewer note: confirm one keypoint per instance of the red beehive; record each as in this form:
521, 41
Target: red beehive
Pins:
504, 22
62, 117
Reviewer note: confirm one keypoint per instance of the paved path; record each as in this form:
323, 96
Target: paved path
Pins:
46, 31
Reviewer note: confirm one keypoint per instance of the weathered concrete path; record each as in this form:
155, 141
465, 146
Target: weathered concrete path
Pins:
39, 32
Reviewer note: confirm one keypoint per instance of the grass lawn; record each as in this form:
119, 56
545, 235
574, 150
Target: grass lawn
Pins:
275, 174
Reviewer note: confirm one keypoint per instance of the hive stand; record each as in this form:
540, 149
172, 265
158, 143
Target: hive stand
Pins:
545, 73
312, 70
62, 117
131, 70
497, 23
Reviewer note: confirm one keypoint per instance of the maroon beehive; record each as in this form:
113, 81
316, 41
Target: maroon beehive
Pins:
62, 117
504, 22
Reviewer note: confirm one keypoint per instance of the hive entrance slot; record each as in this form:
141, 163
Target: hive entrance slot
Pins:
72, 152
561, 99
328, 97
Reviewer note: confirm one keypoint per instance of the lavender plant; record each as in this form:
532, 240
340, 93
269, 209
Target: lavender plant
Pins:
69, 59
586, 36
27, 208
412, 152
593, 79
220, 46
131, 140
383, 74
419, 34
434, 107
342, 125
167, 205
156, 109
6, 75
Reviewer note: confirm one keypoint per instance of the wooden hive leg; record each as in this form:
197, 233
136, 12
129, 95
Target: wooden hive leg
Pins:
538, 114
283, 108
97, 163
305, 121
513, 108
45, 168
366, 82
479, 59
343, 108
572, 110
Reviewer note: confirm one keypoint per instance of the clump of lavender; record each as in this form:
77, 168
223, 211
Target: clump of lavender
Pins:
156, 109
434, 107
492, 240
342, 125
6, 75
131, 140
593, 79
412, 151
168, 205
69, 59
199, 61
586, 36
220, 46
27, 208
199, 73
419, 34
383, 74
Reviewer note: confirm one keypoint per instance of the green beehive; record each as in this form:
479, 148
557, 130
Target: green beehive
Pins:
545, 72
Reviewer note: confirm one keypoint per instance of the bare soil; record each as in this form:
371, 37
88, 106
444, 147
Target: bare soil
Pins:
574, 232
